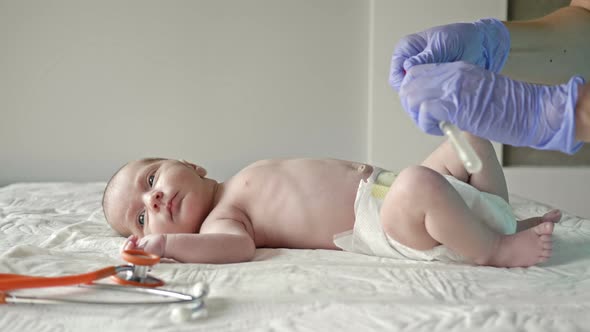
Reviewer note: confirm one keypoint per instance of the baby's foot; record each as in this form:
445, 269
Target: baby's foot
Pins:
525, 248
551, 216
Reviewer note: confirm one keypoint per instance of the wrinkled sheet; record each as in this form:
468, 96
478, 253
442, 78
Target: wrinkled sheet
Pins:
58, 228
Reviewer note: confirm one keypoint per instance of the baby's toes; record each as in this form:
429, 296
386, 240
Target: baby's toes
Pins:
546, 253
552, 216
545, 228
543, 259
547, 244
545, 238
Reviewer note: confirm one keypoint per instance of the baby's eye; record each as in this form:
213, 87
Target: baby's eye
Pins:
141, 219
151, 180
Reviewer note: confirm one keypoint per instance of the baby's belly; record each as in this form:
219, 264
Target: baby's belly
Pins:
305, 215
315, 231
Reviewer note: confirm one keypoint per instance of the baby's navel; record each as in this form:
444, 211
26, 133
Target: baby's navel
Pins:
365, 170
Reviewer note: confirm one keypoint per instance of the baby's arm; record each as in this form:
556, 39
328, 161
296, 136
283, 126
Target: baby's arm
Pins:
227, 242
209, 248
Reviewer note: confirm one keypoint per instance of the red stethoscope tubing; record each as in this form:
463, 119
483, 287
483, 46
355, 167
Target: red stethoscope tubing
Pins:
18, 281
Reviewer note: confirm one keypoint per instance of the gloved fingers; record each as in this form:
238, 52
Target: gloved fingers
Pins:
406, 48
422, 58
430, 93
430, 114
437, 80
422, 73
396, 72
419, 84
413, 91
425, 114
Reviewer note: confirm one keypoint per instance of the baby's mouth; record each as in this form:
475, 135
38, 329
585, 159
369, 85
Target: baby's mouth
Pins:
170, 206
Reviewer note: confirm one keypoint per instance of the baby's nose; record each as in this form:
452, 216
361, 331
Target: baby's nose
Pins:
154, 200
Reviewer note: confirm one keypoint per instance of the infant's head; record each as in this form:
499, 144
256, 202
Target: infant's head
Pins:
158, 196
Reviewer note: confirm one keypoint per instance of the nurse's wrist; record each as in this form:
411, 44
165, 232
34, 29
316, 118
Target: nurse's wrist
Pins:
583, 113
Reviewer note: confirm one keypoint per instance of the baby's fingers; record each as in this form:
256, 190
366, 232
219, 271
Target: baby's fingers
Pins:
130, 243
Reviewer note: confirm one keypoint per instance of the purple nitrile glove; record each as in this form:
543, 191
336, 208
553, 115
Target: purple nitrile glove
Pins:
492, 106
485, 43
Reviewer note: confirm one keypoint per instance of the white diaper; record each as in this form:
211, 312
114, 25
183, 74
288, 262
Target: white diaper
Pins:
368, 236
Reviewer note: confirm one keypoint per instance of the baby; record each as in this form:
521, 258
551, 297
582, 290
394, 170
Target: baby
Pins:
436, 211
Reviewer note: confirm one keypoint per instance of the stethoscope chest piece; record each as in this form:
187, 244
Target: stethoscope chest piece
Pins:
136, 273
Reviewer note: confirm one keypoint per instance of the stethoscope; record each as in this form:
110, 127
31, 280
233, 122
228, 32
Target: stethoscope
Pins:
133, 274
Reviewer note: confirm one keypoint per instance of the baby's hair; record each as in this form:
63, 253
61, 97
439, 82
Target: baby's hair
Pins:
108, 187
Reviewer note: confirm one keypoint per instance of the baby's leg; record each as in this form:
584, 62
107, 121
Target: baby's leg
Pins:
491, 177
422, 210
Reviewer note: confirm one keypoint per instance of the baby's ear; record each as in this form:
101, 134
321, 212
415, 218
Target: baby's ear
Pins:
200, 170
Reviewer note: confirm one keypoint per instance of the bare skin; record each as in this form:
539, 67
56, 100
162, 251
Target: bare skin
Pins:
296, 203
170, 208
552, 48
583, 114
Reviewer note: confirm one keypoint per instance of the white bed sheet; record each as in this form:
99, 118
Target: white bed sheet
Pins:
58, 228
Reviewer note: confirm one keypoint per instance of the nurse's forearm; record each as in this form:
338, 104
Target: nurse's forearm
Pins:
583, 114
551, 49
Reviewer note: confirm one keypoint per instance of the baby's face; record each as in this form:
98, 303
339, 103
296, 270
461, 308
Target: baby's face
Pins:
158, 197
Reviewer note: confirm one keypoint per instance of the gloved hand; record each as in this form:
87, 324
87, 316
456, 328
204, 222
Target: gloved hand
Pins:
485, 43
492, 106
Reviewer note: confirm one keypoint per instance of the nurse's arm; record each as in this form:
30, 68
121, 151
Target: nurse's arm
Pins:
583, 114
553, 48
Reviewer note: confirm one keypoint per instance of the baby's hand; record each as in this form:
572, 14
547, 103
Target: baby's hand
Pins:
130, 243
153, 244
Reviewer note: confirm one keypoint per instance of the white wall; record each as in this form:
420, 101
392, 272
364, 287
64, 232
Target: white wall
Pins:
87, 85
566, 188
